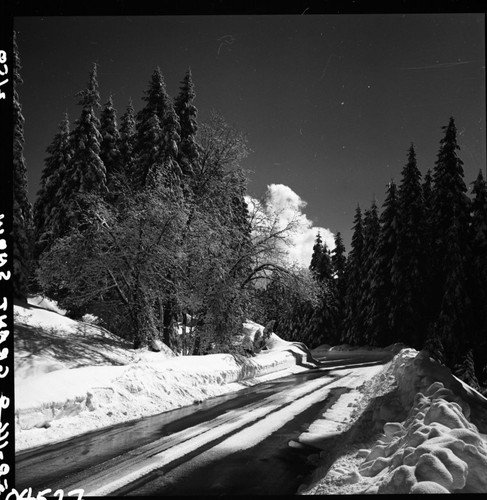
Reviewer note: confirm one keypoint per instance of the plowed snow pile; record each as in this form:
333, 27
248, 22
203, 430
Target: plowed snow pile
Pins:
74, 376
440, 447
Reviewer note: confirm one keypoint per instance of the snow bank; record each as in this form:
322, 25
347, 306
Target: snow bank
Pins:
415, 372
72, 377
145, 387
47, 341
436, 448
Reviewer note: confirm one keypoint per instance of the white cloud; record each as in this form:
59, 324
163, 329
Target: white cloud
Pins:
288, 205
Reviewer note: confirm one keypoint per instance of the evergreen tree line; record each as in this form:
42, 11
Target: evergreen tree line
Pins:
143, 221
416, 272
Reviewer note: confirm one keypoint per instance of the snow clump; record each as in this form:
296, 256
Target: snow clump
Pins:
435, 450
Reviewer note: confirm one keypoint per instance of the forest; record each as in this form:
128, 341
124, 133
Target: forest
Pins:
143, 221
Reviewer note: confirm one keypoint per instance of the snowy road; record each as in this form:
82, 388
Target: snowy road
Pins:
242, 443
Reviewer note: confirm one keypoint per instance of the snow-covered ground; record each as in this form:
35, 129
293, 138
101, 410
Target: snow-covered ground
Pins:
408, 426
424, 431
72, 377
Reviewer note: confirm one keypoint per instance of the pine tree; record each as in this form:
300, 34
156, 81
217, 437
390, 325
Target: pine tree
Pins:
326, 329
110, 153
409, 310
171, 131
479, 225
128, 135
454, 323
22, 209
339, 262
322, 322
320, 264
158, 139
187, 113
155, 102
479, 273
465, 369
451, 252
450, 204
433, 344
326, 270
149, 160
427, 192
371, 231
163, 168
90, 96
427, 195
85, 179
338, 257
317, 255
354, 275
380, 327
48, 214
429, 291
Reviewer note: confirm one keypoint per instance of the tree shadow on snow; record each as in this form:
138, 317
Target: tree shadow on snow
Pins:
79, 349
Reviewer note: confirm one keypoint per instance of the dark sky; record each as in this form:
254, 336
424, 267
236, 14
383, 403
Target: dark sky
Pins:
329, 103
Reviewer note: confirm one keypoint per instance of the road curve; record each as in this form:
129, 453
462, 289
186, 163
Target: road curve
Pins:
243, 443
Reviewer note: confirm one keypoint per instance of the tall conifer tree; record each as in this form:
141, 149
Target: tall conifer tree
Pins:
428, 256
86, 176
128, 135
110, 146
48, 211
338, 257
451, 252
427, 194
371, 231
479, 273
454, 323
171, 134
149, 159
339, 262
158, 136
316, 256
380, 327
321, 325
409, 309
22, 226
354, 277
154, 99
327, 329
187, 112
450, 204
320, 264
326, 270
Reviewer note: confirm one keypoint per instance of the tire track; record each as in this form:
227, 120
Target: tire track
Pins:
170, 451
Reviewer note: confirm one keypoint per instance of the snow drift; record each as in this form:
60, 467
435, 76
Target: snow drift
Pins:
437, 448
71, 374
